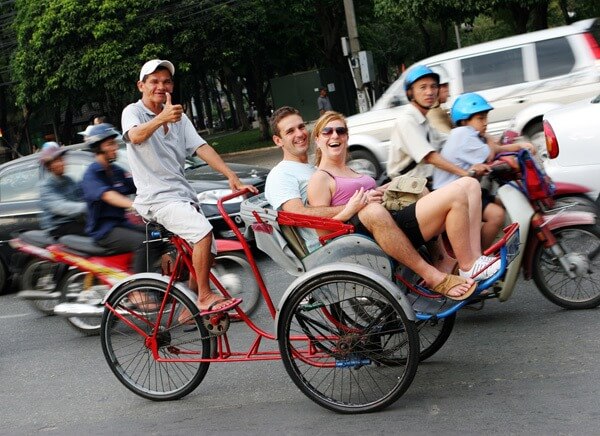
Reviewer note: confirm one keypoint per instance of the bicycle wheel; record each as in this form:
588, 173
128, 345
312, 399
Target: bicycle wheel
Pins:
346, 343
82, 287
39, 275
236, 275
433, 333
581, 245
180, 337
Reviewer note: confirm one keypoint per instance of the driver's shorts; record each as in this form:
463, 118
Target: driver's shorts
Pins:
182, 218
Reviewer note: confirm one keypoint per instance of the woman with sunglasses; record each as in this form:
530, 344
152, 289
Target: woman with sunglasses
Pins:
455, 209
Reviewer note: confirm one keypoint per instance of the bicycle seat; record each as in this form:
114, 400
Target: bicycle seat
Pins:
84, 246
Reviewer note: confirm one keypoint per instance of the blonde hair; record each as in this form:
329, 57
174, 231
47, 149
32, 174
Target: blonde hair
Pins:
325, 119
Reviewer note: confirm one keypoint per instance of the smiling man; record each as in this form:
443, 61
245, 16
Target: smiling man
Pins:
159, 137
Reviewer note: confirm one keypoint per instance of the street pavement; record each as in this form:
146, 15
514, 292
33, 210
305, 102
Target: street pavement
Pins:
520, 367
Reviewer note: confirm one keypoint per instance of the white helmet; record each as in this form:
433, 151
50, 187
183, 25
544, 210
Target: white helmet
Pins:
441, 71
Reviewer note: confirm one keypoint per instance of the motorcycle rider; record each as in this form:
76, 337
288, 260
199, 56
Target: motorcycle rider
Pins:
61, 198
414, 147
106, 187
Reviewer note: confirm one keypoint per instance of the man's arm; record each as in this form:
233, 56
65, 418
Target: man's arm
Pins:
295, 205
115, 199
56, 203
170, 114
212, 158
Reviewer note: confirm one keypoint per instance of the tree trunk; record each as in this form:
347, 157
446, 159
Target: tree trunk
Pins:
565, 11
6, 135
236, 89
205, 98
540, 16
66, 130
520, 15
426, 38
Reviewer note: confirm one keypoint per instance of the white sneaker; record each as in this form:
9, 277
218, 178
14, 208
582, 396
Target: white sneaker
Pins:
483, 268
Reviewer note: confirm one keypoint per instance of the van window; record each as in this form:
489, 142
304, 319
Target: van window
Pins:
554, 57
492, 70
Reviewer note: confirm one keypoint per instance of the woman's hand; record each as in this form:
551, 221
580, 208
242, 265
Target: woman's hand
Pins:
358, 200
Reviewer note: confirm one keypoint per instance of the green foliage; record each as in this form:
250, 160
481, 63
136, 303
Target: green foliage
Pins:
75, 52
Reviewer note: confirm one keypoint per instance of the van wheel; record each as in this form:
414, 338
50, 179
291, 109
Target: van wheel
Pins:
364, 162
536, 136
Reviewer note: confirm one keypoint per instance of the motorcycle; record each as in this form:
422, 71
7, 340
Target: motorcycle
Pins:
91, 271
559, 242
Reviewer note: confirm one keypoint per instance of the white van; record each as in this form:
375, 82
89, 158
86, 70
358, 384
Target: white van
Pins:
527, 74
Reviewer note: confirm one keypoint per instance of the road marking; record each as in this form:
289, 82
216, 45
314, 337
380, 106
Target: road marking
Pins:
16, 315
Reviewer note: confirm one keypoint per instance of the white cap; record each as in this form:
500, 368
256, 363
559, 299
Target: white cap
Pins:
151, 66
86, 132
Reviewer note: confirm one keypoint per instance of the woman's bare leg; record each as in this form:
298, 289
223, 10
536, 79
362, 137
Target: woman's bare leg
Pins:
456, 209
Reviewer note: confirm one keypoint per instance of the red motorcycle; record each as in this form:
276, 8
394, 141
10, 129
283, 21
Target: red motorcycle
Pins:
71, 276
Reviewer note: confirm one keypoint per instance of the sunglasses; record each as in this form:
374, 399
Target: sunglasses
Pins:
327, 131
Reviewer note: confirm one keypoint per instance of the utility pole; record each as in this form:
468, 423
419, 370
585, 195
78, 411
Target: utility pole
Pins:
353, 60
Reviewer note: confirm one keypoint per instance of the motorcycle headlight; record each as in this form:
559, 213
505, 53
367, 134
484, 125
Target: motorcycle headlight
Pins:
212, 196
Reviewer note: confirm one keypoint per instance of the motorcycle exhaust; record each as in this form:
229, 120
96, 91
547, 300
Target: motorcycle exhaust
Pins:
79, 310
38, 295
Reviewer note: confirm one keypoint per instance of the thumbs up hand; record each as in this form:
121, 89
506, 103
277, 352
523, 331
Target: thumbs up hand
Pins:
171, 113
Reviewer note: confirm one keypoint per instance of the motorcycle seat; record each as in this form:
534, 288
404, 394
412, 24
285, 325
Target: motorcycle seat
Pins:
39, 238
84, 246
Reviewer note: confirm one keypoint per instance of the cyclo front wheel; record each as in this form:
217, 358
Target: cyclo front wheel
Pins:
131, 334
347, 343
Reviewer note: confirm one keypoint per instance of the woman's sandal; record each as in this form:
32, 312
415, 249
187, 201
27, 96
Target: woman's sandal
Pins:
449, 282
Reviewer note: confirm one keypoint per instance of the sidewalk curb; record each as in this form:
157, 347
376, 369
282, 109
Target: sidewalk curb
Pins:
254, 150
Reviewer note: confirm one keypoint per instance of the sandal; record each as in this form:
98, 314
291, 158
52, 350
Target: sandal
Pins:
449, 282
233, 303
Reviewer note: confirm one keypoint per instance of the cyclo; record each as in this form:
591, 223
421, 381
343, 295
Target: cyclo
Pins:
348, 336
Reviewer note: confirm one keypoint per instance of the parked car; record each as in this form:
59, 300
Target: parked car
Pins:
530, 73
19, 196
573, 144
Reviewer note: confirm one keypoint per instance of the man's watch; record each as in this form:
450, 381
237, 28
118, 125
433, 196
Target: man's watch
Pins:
472, 173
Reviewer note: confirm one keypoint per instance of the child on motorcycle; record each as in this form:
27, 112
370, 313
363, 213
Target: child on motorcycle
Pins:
466, 146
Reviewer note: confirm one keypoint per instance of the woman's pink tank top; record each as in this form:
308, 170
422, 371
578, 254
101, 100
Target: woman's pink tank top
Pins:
345, 187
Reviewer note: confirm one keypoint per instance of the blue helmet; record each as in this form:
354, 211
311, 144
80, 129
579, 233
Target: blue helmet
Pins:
467, 105
98, 134
417, 73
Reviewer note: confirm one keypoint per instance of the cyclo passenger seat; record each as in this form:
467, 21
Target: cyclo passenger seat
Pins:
284, 244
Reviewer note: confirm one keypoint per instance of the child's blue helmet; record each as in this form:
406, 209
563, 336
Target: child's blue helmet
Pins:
467, 105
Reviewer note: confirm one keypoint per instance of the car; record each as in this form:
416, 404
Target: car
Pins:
527, 74
573, 144
20, 208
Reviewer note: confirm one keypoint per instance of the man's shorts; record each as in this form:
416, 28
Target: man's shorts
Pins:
406, 219
182, 218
